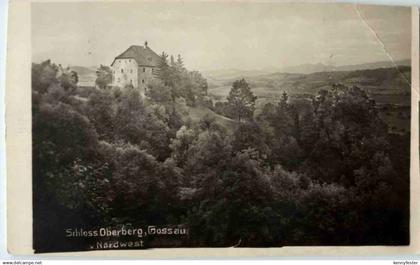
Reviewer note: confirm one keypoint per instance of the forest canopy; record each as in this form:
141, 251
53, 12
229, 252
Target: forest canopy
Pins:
325, 171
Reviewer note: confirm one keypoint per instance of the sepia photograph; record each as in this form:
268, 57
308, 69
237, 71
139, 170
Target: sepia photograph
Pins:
219, 124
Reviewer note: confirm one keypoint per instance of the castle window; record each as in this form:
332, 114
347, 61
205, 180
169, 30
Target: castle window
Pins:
122, 70
144, 69
142, 81
131, 70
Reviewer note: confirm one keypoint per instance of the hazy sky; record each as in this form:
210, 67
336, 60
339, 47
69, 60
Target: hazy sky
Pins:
214, 35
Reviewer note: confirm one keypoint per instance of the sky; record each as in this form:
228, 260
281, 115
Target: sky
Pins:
216, 36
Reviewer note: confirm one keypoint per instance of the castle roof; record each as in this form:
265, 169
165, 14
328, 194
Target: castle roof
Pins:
143, 55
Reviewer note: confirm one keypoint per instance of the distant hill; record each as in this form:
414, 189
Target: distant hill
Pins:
370, 66
83, 70
301, 69
87, 75
380, 82
313, 68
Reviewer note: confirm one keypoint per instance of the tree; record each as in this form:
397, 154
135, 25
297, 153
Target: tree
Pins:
142, 126
100, 111
68, 79
43, 75
250, 135
241, 100
62, 136
199, 84
180, 62
159, 92
163, 72
283, 103
172, 61
233, 203
68, 180
103, 76
179, 82
181, 143
348, 133
137, 183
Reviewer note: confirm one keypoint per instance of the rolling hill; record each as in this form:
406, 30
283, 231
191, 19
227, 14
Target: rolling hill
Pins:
319, 67
386, 85
87, 75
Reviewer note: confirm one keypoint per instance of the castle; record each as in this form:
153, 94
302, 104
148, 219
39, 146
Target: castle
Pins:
135, 66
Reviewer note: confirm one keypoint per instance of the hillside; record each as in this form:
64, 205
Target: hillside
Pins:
197, 113
87, 75
83, 70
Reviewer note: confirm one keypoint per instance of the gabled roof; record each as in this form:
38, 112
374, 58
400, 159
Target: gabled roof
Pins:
144, 56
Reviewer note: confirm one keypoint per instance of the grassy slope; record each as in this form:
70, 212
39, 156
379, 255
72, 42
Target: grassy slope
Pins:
196, 113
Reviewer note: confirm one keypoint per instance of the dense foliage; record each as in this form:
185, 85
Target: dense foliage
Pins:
320, 172
103, 76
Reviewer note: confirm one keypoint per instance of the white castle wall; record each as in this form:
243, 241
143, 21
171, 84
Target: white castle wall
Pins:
125, 72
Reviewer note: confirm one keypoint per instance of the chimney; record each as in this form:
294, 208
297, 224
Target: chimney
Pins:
145, 44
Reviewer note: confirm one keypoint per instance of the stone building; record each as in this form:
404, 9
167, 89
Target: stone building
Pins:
135, 66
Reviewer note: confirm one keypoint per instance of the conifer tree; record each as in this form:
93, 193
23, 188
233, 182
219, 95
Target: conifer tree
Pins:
163, 71
283, 101
180, 62
241, 100
172, 61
